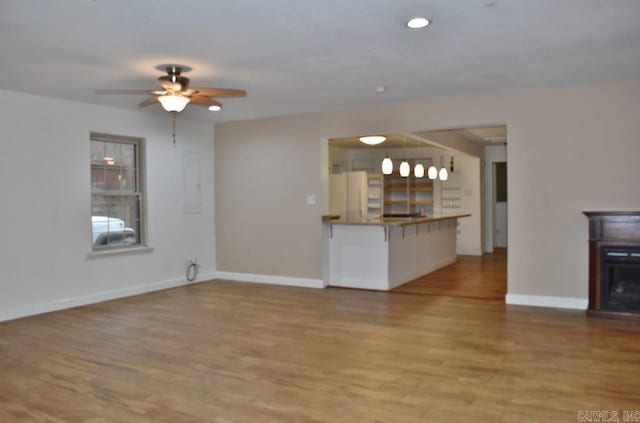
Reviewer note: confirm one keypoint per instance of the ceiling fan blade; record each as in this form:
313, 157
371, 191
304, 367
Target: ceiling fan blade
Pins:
204, 101
220, 92
124, 91
148, 102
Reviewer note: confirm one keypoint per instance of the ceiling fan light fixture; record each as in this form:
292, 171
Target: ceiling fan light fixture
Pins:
173, 103
215, 108
372, 139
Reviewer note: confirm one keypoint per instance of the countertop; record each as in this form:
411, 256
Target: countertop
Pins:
398, 221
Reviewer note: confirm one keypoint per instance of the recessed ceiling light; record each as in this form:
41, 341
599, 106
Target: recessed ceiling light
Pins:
381, 89
215, 108
372, 139
417, 23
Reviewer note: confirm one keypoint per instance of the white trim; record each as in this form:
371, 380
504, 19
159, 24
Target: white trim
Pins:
272, 280
544, 301
64, 303
108, 252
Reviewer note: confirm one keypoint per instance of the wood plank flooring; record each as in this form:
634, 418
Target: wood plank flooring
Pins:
470, 277
236, 352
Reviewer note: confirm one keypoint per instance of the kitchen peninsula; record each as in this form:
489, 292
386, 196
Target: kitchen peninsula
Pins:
383, 253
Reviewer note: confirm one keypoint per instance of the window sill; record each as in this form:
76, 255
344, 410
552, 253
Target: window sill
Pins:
119, 251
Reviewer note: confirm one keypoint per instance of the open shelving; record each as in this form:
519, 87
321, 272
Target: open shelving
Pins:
375, 195
408, 194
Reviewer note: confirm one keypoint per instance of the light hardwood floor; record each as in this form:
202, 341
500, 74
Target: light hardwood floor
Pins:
470, 277
235, 352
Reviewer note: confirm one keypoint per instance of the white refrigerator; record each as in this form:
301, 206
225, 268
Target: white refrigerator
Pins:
348, 195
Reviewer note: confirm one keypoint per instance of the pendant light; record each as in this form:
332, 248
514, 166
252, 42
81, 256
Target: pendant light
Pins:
432, 173
387, 166
443, 175
418, 170
405, 169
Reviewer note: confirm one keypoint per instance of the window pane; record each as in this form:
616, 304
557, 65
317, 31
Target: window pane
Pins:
113, 166
115, 194
127, 154
97, 151
115, 220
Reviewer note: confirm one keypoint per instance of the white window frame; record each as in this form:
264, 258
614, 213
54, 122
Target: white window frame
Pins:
139, 193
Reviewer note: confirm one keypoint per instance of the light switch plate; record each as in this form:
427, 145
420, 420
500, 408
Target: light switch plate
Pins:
311, 200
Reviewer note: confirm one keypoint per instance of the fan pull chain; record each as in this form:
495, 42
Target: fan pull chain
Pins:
174, 128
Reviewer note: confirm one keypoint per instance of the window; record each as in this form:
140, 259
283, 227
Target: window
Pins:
117, 212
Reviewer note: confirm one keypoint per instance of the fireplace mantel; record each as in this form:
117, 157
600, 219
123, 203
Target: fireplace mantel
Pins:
609, 229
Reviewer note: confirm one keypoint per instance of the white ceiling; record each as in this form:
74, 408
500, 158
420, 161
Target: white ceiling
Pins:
297, 56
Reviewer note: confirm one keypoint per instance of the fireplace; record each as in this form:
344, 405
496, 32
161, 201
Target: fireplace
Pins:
620, 281
614, 264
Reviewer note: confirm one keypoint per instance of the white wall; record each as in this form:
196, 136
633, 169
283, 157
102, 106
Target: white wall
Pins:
465, 179
338, 156
492, 155
45, 214
500, 224
377, 154
265, 227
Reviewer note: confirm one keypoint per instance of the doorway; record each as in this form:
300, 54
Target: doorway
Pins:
500, 205
482, 274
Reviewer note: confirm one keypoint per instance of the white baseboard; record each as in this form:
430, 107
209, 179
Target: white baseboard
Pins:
272, 280
61, 304
543, 301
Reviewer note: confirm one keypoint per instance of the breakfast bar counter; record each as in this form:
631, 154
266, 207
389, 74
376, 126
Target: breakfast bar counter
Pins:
384, 253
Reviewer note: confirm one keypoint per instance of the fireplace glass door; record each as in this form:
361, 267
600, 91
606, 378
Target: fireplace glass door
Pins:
620, 288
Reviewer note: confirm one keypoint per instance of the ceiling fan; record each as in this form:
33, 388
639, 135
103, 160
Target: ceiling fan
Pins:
175, 94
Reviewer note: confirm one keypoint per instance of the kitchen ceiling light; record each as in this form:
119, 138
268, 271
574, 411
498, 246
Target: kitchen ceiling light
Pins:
173, 103
432, 173
417, 23
387, 166
405, 169
372, 139
215, 108
418, 171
